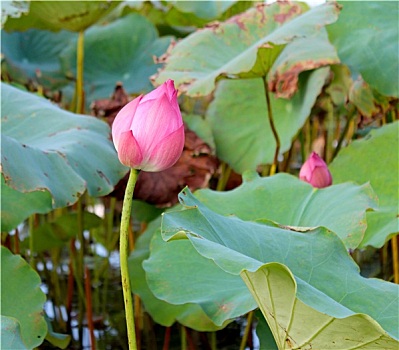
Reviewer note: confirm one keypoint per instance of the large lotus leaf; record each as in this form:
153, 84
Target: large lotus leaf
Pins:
289, 201
327, 279
239, 120
302, 54
275, 290
47, 148
374, 159
190, 315
33, 55
366, 36
22, 299
17, 206
245, 46
122, 51
74, 16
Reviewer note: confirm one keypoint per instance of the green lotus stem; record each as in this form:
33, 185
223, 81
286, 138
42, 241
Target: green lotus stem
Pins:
395, 259
247, 330
224, 177
31, 240
273, 127
79, 268
330, 132
124, 254
349, 119
213, 341
183, 338
79, 73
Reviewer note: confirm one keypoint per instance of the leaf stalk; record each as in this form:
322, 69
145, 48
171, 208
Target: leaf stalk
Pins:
124, 254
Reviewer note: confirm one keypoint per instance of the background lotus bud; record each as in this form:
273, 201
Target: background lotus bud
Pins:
148, 133
315, 172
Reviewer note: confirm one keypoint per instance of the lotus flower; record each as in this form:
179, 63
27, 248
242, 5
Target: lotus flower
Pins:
148, 133
315, 172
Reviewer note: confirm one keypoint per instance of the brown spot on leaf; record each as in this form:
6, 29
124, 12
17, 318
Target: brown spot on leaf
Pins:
73, 16
293, 11
103, 176
163, 58
285, 84
215, 26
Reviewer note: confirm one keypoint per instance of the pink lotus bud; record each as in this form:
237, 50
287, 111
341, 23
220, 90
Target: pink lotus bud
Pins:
315, 172
148, 133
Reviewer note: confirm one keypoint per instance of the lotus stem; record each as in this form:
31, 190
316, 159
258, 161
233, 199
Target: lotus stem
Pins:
124, 254
247, 330
79, 267
224, 177
183, 338
79, 73
31, 241
273, 127
395, 258
213, 341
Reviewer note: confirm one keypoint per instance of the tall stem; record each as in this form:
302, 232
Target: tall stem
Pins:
247, 330
31, 240
79, 73
273, 127
124, 254
395, 258
79, 267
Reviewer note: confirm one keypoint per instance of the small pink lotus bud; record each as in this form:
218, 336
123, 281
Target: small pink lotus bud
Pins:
315, 172
148, 133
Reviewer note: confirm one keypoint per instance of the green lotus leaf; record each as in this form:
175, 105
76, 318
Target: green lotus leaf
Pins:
368, 43
17, 206
244, 46
374, 159
190, 314
19, 280
328, 281
45, 148
34, 56
205, 9
74, 16
182, 17
288, 201
121, 51
275, 290
239, 120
